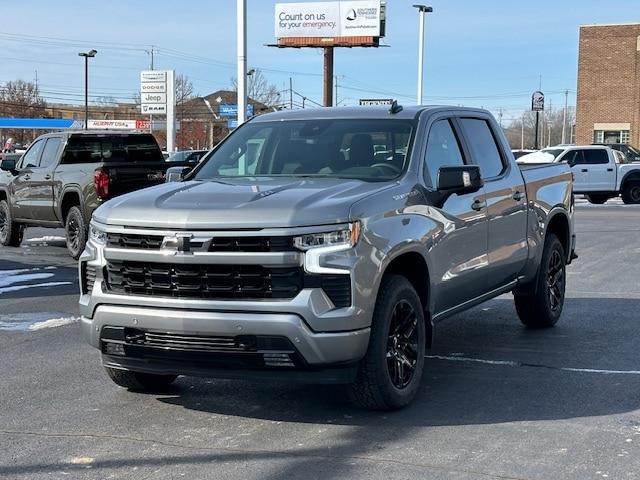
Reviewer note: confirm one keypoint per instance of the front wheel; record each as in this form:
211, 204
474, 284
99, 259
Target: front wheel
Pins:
543, 308
76, 231
140, 382
389, 375
631, 193
10, 231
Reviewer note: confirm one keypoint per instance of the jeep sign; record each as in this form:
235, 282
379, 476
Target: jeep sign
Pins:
328, 19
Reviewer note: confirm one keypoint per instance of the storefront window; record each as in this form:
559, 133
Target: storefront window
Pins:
611, 136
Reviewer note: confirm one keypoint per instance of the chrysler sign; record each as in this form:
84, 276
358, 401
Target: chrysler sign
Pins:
328, 19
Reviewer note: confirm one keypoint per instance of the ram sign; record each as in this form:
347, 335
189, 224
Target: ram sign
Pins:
328, 19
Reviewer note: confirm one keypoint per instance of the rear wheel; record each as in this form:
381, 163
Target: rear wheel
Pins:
137, 381
597, 199
389, 375
631, 193
10, 231
76, 232
543, 308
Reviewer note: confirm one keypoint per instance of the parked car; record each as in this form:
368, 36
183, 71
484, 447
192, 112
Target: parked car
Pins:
598, 171
63, 177
520, 152
314, 259
189, 156
632, 154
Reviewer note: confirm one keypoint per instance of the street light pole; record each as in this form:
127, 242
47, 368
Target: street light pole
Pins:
241, 7
422, 9
87, 56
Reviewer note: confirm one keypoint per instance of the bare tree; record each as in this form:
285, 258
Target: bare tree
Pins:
549, 130
106, 101
21, 99
259, 88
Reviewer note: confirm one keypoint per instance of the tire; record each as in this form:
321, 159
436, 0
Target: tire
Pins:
10, 232
544, 307
397, 336
140, 382
631, 193
76, 232
597, 199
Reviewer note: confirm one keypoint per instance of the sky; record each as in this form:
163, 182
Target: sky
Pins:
490, 54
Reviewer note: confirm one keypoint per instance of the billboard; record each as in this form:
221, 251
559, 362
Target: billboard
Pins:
329, 19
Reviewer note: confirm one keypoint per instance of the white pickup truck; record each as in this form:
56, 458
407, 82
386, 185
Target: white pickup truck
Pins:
599, 171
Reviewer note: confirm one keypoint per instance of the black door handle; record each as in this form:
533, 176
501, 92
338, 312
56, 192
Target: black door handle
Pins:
609, 169
47, 177
584, 170
478, 205
517, 196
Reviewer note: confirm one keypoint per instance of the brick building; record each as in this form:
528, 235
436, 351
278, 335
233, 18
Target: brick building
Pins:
608, 103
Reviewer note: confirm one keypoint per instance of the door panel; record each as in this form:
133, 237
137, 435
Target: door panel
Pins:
602, 174
506, 203
459, 251
41, 187
20, 187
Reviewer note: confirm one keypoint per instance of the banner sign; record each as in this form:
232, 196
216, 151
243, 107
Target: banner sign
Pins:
119, 124
41, 123
374, 102
328, 19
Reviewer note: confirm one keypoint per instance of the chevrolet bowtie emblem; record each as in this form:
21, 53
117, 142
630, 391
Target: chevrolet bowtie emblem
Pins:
180, 243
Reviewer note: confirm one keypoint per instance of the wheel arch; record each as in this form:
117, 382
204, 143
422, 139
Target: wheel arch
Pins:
412, 265
633, 176
70, 197
559, 225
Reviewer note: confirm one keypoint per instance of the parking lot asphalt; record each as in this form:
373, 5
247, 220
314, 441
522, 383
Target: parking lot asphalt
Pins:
498, 401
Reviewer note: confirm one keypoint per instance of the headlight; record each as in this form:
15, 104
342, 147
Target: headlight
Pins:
97, 236
315, 245
347, 237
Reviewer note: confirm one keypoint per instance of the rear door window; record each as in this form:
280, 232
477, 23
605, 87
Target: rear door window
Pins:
595, 156
484, 149
50, 152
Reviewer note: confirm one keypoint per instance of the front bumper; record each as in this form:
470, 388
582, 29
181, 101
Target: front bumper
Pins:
324, 337
315, 348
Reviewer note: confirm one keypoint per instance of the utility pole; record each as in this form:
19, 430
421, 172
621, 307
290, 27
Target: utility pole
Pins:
564, 116
290, 93
522, 132
242, 59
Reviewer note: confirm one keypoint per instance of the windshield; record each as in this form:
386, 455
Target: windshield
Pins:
370, 150
553, 151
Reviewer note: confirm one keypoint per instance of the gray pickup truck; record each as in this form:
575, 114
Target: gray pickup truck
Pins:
64, 176
324, 246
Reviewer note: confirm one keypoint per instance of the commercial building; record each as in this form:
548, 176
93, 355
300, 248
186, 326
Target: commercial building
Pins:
608, 103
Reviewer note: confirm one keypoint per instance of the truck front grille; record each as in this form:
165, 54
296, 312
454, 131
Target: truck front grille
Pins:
203, 281
219, 282
216, 244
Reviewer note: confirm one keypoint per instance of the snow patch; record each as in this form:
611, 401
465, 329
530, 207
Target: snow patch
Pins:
46, 239
16, 288
54, 322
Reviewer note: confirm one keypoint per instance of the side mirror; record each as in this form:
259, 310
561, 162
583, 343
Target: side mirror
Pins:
8, 164
176, 174
459, 179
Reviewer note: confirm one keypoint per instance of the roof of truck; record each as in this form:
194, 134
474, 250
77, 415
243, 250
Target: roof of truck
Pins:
381, 112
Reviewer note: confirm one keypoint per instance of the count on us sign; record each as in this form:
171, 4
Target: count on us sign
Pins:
328, 19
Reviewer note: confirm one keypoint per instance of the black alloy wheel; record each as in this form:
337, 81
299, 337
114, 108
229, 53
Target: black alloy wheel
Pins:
402, 344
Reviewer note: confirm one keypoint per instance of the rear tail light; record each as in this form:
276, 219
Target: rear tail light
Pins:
101, 182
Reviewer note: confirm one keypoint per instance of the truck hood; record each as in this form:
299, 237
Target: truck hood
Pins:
239, 203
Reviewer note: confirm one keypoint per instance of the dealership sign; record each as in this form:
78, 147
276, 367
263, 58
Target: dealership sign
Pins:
231, 110
119, 124
153, 92
328, 19
537, 101
374, 102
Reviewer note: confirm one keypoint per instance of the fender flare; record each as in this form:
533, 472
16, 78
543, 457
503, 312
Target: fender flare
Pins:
66, 190
630, 176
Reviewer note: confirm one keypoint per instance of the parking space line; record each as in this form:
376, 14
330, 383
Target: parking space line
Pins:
511, 363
